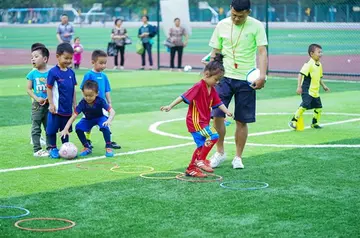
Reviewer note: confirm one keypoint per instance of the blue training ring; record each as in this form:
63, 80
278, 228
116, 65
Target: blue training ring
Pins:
27, 212
223, 185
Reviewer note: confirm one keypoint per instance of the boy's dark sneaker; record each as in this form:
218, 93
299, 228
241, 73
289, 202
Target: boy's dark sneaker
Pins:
114, 145
90, 145
315, 126
292, 124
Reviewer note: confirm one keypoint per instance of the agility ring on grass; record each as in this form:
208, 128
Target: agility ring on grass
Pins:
218, 178
27, 212
80, 166
144, 175
72, 224
118, 169
225, 185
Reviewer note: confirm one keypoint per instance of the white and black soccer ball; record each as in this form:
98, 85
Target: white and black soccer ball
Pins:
68, 151
187, 68
253, 75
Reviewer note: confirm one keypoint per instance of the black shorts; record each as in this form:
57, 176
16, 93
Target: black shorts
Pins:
309, 102
245, 99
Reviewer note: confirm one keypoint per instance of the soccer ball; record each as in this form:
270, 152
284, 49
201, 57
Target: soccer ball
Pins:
187, 68
253, 75
77, 49
68, 151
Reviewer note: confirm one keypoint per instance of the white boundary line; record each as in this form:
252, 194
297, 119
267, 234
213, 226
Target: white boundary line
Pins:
94, 158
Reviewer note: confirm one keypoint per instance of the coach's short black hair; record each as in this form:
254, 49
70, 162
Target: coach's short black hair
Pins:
64, 47
92, 85
97, 53
177, 19
36, 45
241, 5
43, 50
313, 47
64, 15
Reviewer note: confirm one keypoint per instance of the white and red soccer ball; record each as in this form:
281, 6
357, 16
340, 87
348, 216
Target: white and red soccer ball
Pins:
68, 151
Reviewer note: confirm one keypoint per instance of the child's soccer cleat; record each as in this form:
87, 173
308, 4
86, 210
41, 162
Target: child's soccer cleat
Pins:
41, 153
315, 126
85, 152
114, 145
217, 159
237, 163
90, 145
292, 124
54, 153
195, 172
204, 165
109, 152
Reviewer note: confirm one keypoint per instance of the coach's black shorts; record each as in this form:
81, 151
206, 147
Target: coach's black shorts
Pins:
309, 102
245, 99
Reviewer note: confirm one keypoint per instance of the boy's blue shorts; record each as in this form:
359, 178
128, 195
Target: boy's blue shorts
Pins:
86, 125
56, 123
208, 133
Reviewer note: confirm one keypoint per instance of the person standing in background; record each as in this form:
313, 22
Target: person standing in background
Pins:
176, 35
145, 35
65, 30
118, 35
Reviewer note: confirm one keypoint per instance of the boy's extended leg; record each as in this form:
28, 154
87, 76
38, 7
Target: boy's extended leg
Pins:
81, 127
192, 170
299, 112
107, 137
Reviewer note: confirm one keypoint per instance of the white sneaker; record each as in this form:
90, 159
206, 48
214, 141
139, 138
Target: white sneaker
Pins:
121, 67
41, 153
237, 163
217, 159
115, 67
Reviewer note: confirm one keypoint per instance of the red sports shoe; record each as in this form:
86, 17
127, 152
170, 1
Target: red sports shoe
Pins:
195, 172
204, 165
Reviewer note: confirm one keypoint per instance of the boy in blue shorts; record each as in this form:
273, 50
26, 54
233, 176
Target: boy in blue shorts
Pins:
309, 81
61, 95
99, 59
36, 88
92, 106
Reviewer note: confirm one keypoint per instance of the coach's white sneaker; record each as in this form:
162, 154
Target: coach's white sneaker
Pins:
41, 153
237, 163
217, 159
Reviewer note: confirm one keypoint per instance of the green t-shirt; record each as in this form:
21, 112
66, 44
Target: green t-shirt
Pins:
252, 36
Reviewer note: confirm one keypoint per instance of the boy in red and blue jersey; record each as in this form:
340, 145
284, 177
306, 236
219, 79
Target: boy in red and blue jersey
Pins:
61, 95
202, 97
92, 106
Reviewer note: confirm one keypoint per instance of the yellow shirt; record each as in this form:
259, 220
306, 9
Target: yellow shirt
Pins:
252, 35
313, 72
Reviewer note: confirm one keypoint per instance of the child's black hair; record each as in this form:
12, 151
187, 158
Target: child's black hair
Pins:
313, 47
146, 16
76, 38
215, 66
96, 54
176, 19
43, 50
36, 45
117, 19
64, 47
92, 85
241, 5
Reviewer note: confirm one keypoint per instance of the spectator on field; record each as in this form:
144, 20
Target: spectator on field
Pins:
65, 30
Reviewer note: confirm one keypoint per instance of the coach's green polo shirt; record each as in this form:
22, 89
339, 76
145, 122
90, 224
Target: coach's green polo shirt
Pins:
313, 72
252, 36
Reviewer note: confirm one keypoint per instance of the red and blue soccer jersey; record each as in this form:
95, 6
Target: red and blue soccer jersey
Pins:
92, 111
62, 84
200, 103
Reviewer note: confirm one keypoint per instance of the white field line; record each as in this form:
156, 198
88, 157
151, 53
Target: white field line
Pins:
94, 158
299, 146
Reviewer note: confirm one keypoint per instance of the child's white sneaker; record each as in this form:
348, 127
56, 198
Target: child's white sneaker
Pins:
41, 153
217, 159
237, 163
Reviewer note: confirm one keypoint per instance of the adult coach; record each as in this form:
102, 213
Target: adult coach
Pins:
65, 30
238, 38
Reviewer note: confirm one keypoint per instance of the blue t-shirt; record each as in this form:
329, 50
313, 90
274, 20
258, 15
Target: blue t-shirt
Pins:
101, 79
94, 110
38, 82
63, 86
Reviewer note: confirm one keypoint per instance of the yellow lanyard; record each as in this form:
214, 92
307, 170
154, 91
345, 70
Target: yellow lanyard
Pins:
236, 44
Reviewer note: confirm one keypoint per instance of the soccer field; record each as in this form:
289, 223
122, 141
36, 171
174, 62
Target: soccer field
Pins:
313, 175
281, 41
